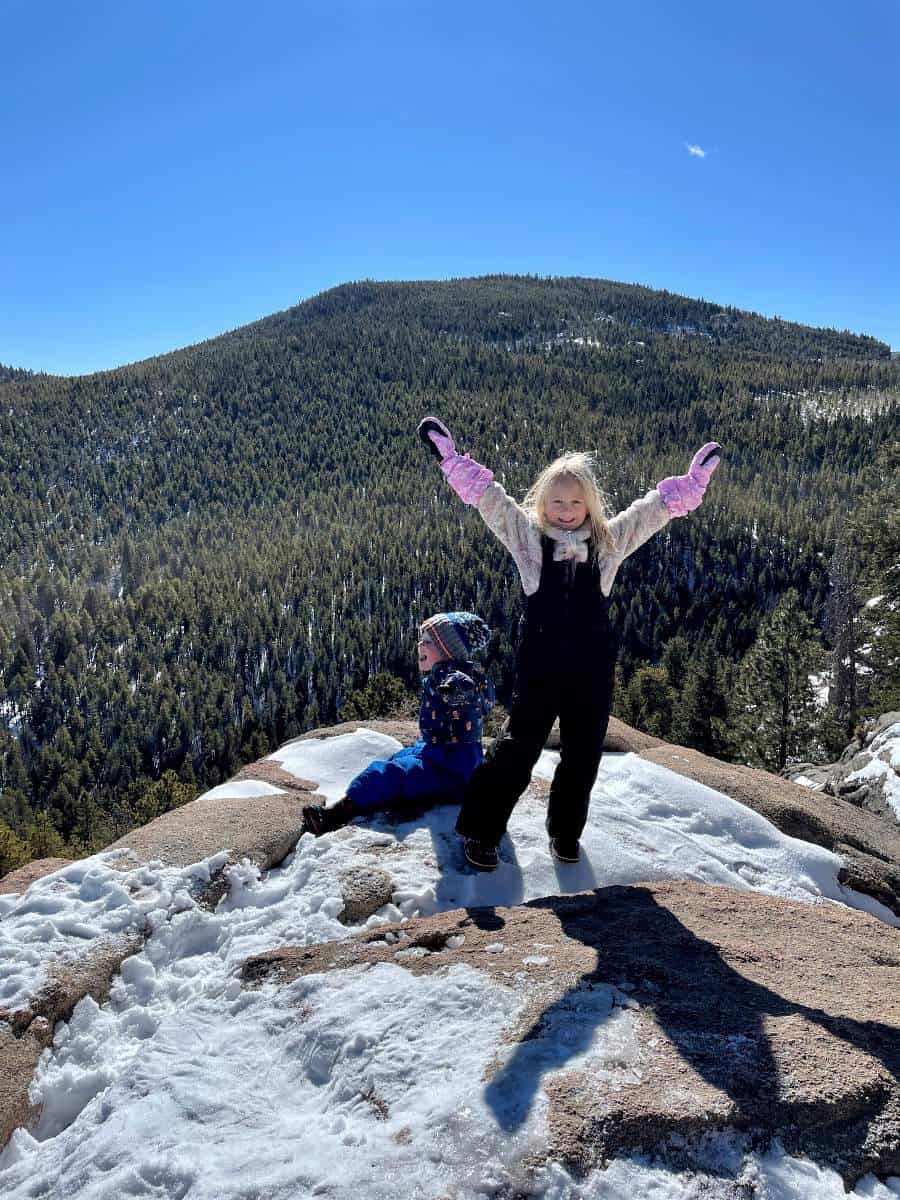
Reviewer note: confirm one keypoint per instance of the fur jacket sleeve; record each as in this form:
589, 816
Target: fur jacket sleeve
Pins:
520, 534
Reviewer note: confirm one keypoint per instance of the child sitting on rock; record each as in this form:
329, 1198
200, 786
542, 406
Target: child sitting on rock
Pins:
456, 697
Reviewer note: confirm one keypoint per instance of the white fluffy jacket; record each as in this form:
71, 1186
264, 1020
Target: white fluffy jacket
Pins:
520, 534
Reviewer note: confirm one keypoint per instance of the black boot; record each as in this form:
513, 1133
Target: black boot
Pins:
480, 855
317, 819
565, 850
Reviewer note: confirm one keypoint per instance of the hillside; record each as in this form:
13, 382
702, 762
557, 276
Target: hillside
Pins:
208, 552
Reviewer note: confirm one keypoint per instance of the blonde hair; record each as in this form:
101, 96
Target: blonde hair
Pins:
578, 467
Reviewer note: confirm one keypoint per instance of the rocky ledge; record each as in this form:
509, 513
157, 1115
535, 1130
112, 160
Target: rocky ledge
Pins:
866, 775
747, 1013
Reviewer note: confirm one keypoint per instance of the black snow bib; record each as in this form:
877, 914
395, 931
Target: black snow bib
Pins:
566, 622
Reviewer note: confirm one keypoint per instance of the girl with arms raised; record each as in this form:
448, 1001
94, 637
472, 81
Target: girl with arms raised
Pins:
568, 553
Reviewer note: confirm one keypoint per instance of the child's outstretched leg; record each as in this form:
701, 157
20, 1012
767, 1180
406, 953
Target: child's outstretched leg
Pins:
404, 777
496, 786
317, 819
583, 719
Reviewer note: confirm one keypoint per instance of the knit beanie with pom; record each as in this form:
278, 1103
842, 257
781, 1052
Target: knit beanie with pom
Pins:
458, 634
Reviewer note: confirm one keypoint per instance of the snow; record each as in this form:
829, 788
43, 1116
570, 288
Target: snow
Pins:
805, 781
332, 762
366, 1082
884, 765
241, 789
59, 915
821, 686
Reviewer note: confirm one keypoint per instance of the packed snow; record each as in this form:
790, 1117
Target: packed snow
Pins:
365, 1082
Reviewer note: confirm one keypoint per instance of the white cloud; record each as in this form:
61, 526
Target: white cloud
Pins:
697, 151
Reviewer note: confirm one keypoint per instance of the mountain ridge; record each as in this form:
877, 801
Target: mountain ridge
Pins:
353, 296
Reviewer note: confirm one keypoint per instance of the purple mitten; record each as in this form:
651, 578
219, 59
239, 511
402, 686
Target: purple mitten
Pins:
681, 494
468, 478
704, 463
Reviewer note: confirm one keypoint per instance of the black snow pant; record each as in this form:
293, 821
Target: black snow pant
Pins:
574, 683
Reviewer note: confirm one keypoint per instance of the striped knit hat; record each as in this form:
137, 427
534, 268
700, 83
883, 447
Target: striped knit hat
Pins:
458, 634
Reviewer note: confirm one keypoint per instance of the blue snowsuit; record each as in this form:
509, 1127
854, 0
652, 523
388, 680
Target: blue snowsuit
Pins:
456, 697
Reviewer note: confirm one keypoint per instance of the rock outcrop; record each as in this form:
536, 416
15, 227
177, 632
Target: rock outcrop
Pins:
263, 829
869, 846
364, 891
748, 1013
260, 820
866, 775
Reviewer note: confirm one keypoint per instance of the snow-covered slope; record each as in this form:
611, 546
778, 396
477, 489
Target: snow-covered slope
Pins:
187, 1085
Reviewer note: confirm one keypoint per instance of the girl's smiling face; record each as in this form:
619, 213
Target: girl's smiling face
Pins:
565, 506
429, 653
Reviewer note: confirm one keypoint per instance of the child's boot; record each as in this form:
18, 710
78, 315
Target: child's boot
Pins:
565, 850
317, 819
480, 855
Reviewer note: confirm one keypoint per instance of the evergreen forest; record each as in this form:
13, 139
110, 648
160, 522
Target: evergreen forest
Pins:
207, 553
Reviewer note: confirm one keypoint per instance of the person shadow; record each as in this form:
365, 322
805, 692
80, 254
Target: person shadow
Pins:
712, 1014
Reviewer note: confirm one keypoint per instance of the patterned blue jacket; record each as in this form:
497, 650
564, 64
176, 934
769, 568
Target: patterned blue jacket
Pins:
456, 697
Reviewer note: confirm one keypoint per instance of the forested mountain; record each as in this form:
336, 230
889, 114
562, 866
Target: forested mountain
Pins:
208, 552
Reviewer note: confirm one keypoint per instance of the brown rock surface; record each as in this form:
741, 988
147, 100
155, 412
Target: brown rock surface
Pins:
869, 845
22, 877
750, 1013
620, 738
364, 891
18, 1059
271, 771
262, 828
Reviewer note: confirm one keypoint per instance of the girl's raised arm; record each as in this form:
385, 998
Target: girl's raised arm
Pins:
675, 496
474, 484
468, 478
682, 493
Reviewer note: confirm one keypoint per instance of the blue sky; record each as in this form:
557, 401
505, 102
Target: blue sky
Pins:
173, 170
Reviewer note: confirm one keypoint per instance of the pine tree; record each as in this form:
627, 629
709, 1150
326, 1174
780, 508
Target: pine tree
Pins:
701, 717
676, 660
43, 839
876, 524
774, 706
13, 851
383, 696
647, 702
